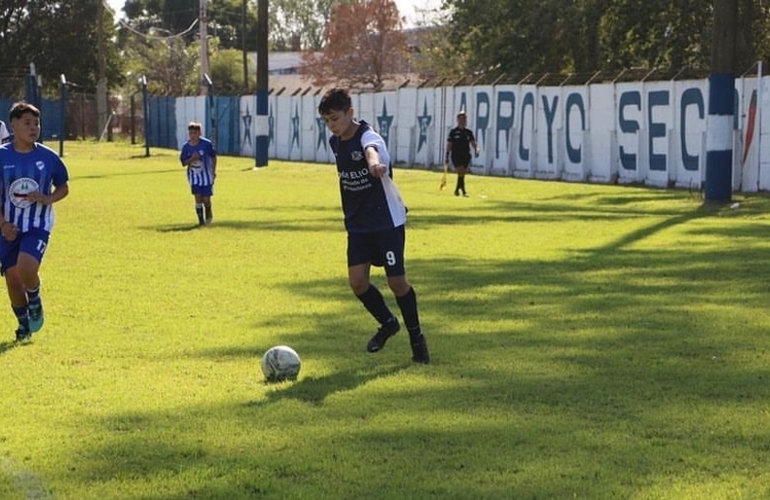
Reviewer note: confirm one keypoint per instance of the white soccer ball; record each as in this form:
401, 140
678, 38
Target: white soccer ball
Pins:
281, 363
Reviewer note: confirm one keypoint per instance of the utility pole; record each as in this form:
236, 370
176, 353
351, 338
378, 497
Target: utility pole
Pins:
262, 125
203, 21
243, 46
719, 136
101, 84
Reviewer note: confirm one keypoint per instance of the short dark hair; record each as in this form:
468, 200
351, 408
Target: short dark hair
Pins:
21, 108
194, 126
336, 99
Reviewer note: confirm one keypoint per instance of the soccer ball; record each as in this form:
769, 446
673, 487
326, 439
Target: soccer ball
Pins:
281, 363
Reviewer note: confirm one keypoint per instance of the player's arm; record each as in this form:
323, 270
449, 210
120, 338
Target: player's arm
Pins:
376, 167
7, 229
188, 160
59, 193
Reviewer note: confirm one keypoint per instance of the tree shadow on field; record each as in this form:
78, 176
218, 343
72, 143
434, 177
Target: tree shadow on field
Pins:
123, 174
315, 390
595, 374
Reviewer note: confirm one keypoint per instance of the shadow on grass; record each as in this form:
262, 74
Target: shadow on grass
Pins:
123, 173
619, 371
265, 220
7, 346
315, 390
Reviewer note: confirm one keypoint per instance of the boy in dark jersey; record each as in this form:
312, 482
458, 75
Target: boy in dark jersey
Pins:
33, 179
374, 219
458, 145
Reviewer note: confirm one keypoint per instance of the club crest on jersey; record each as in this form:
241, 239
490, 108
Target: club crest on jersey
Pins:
40, 165
19, 189
357, 155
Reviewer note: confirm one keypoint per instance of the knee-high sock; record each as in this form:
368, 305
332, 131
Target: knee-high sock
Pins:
374, 302
408, 305
22, 315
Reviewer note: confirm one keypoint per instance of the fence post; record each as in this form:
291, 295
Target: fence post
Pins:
146, 108
212, 109
63, 124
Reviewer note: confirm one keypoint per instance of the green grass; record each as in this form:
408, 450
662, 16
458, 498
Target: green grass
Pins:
588, 342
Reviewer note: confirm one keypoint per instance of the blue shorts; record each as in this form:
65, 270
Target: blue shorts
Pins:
381, 249
33, 242
207, 190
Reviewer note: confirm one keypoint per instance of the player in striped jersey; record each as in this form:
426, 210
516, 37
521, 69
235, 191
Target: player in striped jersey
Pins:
33, 179
374, 219
4, 135
200, 157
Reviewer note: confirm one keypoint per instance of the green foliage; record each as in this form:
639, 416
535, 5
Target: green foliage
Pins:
227, 71
170, 65
589, 341
522, 36
300, 24
59, 38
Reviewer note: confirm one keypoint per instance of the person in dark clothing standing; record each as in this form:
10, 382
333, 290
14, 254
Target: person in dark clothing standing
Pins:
374, 216
458, 148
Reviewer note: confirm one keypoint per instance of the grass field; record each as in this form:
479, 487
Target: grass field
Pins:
588, 341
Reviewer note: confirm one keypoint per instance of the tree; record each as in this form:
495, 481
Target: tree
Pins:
518, 37
225, 66
59, 38
170, 65
364, 45
299, 24
225, 19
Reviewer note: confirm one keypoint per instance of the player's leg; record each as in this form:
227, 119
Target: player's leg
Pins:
407, 304
198, 204
209, 214
18, 296
208, 192
360, 255
28, 267
461, 172
457, 185
32, 248
9, 254
406, 298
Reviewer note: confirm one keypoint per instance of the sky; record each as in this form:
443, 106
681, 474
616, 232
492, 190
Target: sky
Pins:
406, 7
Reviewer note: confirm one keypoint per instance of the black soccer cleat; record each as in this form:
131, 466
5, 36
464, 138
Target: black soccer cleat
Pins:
23, 334
386, 331
420, 350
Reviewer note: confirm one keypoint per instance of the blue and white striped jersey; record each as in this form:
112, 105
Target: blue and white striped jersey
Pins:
201, 172
38, 170
369, 204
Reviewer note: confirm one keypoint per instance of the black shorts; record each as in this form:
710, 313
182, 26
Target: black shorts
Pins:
461, 161
381, 249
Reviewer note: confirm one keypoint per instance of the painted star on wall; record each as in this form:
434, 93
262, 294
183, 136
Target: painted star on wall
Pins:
247, 119
321, 124
270, 126
384, 122
424, 122
295, 128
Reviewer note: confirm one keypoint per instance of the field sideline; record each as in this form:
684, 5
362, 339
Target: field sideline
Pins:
588, 341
